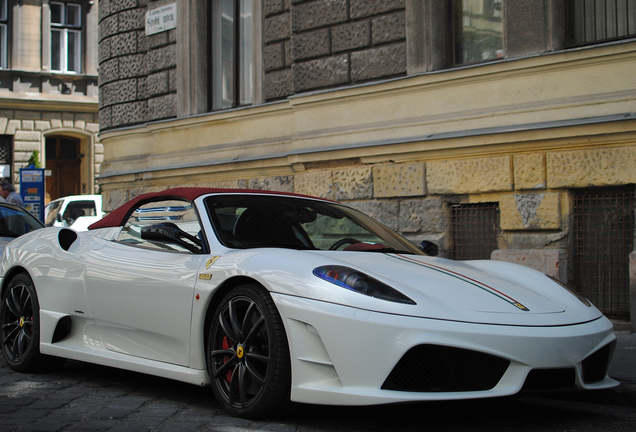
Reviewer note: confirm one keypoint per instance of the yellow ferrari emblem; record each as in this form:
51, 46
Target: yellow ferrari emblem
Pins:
240, 352
21, 322
205, 276
211, 261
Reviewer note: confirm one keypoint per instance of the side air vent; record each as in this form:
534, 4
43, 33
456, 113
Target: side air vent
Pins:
436, 368
66, 237
62, 329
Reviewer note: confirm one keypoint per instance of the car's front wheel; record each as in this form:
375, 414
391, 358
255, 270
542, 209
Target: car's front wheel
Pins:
20, 334
248, 355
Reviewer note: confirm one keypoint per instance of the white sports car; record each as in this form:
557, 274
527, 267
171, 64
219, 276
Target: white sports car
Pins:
271, 297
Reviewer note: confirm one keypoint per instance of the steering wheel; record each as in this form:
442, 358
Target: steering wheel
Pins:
342, 242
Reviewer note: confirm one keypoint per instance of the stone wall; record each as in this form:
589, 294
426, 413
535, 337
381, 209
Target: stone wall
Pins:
326, 43
137, 73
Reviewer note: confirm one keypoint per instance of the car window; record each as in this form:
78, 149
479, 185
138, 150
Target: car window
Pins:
171, 226
249, 221
52, 212
14, 223
76, 209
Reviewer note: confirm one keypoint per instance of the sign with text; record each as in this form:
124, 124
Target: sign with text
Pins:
33, 190
161, 19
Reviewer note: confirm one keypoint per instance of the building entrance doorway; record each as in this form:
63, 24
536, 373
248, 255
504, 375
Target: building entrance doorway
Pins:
63, 160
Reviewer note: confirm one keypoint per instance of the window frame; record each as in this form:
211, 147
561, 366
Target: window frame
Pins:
453, 29
243, 61
64, 29
4, 34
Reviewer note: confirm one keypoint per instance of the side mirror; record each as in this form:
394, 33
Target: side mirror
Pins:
429, 248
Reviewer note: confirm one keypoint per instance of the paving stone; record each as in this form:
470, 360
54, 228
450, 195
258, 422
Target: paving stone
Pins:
160, 409
182, 426
46, 425
93, 425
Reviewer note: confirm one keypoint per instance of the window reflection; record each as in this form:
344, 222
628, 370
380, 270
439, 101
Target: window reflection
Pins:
478, 30
232, 53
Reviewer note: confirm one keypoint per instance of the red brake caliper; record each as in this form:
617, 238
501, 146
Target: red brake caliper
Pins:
227, 344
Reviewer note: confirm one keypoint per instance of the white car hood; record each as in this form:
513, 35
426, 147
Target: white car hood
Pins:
488, 292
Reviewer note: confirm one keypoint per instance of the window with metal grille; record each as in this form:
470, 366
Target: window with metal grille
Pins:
474, 230
604, 233
593, 21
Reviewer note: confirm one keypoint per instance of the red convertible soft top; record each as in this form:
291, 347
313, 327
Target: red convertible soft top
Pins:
119, 216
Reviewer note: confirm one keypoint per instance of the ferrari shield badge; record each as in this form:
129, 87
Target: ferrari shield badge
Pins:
211, 261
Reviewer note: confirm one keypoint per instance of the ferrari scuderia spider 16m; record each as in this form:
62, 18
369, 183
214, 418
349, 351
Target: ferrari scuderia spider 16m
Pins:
270, 297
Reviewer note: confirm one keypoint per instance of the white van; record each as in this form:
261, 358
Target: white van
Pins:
76, 212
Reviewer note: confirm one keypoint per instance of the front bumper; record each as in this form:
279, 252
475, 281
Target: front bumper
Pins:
343, 356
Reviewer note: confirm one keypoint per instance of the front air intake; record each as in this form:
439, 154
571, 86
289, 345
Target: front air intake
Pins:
436, 368
595, 366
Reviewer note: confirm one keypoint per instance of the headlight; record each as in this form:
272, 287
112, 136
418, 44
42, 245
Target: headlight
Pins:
361, 283
583, 300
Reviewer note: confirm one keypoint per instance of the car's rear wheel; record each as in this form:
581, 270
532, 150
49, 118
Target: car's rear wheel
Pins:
20, 334
248, 354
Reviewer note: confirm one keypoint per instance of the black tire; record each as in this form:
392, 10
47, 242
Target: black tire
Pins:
248, 354
20, 334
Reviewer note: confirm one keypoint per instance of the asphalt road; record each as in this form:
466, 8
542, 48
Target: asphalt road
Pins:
85, 397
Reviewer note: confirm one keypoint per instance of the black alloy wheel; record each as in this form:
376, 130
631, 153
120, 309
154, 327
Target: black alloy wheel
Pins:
20, 317
248, 354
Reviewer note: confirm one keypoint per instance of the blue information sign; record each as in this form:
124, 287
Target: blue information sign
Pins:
32, 191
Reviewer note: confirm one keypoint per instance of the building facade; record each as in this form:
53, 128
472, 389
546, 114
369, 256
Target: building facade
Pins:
499, 129
48, 93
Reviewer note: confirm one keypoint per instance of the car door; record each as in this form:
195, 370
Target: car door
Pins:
140, 291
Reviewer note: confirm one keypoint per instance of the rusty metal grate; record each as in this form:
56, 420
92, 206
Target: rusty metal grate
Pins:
474, 230
604, 233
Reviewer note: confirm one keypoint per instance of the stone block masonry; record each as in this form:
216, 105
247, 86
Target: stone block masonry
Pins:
137, 72
320, 44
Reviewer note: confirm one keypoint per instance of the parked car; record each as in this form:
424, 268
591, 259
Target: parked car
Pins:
271, 297
76, 212
14, 222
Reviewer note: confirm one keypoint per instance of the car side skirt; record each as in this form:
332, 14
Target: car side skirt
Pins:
84, 344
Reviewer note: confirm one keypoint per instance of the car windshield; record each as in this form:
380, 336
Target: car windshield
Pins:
251, 221
14, 223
